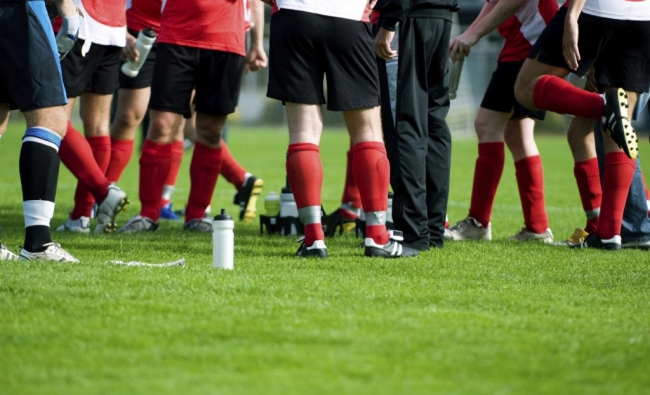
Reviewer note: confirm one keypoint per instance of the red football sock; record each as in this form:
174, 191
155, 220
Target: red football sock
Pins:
83, 199
487, 174
155, 161
588, 179
177, 158
619, 171
372, 172
204, 171
530, 180
231, 170
121, 152
77, 156
350, 190
559, 95
305, 172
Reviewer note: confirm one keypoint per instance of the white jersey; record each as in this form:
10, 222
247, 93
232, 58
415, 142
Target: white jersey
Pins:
629, 10
347, 9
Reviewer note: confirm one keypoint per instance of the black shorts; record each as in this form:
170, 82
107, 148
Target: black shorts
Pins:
30, 76
96, 72
500, 93
216, 75
305, 47
618, 50
143, 79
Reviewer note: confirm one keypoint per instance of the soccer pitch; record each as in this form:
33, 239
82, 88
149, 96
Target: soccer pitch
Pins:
472, 318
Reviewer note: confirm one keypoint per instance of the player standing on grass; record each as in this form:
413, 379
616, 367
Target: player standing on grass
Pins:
201, 45
311, 39
501, 118
614, 37
90, 72
30, 79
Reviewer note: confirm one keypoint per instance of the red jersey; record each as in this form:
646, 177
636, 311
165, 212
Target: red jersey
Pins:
141, 14
523, 28
208, 24
106, 21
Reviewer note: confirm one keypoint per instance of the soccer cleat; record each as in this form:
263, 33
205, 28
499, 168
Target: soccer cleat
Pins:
468, 229
246, 198
317, 250
338, 222
592, 241
166, 212
80, 225
393, 249
617, 124
6, 255
201, 225
107, 210
641, 245
579, 235
526, 235
53, 252
139, 224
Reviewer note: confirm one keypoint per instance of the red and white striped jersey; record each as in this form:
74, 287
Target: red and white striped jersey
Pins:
521, 30
348, 9
106, 21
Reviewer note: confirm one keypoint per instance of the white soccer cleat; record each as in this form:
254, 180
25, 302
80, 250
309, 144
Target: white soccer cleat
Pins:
469, 229
80, 225
115, 201
6, 255
53, 252
526, 235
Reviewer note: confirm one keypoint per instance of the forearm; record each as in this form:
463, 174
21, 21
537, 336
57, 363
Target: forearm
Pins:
65, 7
487, 8
499, 13
574, 10
257, 18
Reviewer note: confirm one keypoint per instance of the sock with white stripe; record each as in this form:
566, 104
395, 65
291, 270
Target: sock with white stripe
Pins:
39, 174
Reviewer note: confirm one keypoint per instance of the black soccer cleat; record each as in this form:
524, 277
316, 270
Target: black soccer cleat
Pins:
393, 249
317, 250
592, 241
246, 198
617, 124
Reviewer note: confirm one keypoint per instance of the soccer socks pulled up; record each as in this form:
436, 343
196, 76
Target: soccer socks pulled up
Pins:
305, 173
39, 174
350, 191
83, 199
77, 156
172, 176
619, 171
155, 161
204, 171
487, 174
371, 173
121, 152
231, 170
530, 181
556, 94
588, 179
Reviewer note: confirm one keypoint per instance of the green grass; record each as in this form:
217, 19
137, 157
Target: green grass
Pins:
472, 318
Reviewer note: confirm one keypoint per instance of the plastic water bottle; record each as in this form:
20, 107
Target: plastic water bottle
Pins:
288, 208
223, 241
144, 42
272, 204
455, 69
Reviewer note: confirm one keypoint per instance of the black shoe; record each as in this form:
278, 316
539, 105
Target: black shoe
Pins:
317, 250
393, 249
592, 241
337, 223
246, 198
617, 124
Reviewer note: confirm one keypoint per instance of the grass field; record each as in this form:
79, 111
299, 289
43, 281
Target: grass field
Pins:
472, 318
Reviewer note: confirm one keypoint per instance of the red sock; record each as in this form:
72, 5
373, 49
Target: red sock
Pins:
305, 172
487, 174
155, 161
231, 170
77, 156
177, 158
588, 180
619, 171
372, 173
83, 199
530, 180
559, 95
350, 190
204, 171
121, 151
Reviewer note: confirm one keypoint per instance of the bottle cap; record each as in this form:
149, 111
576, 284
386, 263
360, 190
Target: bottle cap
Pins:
222, 216
149, 32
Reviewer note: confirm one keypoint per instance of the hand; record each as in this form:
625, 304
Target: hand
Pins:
68, 34
570, 44
130, 51
256, 59
461, 46
382, 44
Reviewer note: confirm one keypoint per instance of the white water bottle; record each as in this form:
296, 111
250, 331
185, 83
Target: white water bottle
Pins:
288, 208
144, 42
223, 241
455, 70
